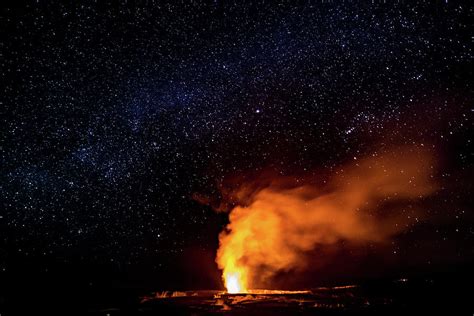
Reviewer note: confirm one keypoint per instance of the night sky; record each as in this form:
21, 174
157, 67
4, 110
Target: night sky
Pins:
121, 124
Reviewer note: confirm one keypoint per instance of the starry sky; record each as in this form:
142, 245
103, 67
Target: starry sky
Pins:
114, 118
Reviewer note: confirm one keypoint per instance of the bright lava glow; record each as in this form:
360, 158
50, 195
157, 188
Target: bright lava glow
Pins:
233, 283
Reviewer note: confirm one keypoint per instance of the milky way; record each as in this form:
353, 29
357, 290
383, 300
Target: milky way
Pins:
114, 117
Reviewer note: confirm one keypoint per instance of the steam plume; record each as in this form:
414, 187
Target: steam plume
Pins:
274, 225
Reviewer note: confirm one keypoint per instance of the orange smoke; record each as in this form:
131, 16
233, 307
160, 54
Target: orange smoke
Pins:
275, 225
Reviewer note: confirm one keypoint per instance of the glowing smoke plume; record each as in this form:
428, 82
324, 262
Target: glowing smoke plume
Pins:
275, 225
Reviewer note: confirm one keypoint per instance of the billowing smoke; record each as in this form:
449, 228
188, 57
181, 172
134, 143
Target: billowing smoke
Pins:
272, 226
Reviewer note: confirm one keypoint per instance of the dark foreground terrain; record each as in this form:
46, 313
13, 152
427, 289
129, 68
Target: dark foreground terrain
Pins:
425, 296
397, 297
